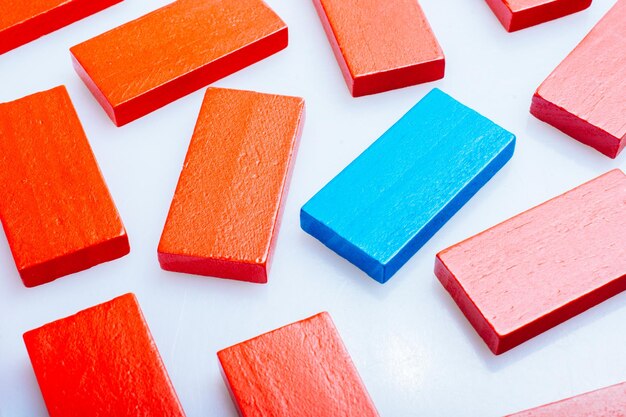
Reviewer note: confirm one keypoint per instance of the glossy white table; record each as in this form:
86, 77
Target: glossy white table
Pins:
415, 351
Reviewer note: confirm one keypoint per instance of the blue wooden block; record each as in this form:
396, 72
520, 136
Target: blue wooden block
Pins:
397, 194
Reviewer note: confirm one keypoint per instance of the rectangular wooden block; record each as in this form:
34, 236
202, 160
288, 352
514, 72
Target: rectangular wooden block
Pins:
147, 63
520, 14
606, 402
398, 193
381, 45
226, 211
588, 102
102, 362
55, 207
302, 369
542, 267
24, 21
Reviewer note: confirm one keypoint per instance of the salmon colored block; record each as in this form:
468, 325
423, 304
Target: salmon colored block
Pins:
381, 45
588, 102
145, 64
520, 14
542, 267
102, 362
23, 21
300, 370
607, 402
225, 215
55, 207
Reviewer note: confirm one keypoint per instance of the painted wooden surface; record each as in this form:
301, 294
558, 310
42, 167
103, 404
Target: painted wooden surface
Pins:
299, 370
102, 362
606, 402
542, 267
226, 211
145, 64
520, 14
23, 21
381, 45
398, 193
55, 207
588, 102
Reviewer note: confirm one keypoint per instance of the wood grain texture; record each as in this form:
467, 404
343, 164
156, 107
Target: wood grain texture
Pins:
542, 267
381, 45
226, 211
145, 64
55, 207
300, 370
23, 21
520, 14
102, 362
588, 102
606, 402
398, 193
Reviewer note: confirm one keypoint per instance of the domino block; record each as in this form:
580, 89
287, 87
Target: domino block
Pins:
588, 102
145, 64
542, 267
24, 21
398, 193
226, 211
372, 56
55, 207
102, 362
520, 14
606, 402
299, 370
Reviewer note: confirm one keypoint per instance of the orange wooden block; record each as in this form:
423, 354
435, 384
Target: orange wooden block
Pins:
520, 14
26, 20
102, 362
147, 63
226, 211
55, 207
381, 44
299, 370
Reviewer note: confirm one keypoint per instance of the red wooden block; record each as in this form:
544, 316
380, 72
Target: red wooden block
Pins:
606, 402
147, 63
520, 14
380, 44
299, 370
585, 96
542, 267
55, 207
24, 21
102, 362
226, 211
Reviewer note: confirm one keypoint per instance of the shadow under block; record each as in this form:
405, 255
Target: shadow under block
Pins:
145, 64
520, 14
398, 193
588, 101
542, 267
299, 370
226, 211
381, 45
55, 207
23, 21
102, 362
606, 402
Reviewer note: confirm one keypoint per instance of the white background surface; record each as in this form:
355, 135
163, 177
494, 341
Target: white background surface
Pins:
415, 351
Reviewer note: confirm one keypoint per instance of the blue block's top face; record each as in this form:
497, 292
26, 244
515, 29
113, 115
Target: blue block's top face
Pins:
396, 188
